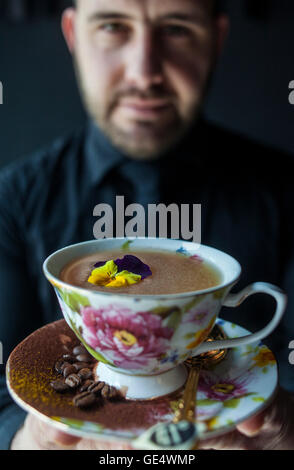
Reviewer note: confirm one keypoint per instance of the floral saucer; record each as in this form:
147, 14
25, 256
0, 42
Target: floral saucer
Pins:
235, 389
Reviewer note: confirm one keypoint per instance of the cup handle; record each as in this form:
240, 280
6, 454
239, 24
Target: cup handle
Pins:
234, 300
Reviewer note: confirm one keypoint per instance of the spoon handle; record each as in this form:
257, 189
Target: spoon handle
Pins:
187, 404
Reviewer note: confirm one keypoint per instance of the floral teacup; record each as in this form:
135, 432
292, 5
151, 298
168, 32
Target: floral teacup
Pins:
142, 341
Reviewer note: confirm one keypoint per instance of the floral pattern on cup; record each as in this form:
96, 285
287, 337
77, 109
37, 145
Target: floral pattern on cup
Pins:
134, 339
129, 339
196, 317
201, 335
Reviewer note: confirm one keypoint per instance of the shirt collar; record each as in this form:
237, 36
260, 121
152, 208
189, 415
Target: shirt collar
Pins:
102, 156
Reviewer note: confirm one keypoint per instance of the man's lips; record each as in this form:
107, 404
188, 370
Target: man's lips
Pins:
146, 103
151, 108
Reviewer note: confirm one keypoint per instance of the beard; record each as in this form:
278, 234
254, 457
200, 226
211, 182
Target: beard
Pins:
147, 140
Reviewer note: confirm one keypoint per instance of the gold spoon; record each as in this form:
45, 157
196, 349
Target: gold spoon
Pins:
181, 433
187, 405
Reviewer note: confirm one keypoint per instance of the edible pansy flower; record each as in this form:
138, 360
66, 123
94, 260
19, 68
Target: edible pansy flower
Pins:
123, 279
130, 263
120, 272
104, 274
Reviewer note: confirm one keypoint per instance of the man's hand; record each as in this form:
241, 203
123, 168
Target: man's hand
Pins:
36, 435
273, 429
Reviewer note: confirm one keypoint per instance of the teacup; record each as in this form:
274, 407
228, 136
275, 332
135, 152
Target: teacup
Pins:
166, 329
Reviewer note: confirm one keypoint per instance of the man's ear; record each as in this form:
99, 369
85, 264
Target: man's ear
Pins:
222, 25
68, 27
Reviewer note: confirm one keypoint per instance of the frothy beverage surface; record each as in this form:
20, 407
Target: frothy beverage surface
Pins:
172, 273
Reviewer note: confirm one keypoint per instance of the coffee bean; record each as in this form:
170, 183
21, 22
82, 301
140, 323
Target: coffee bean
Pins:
96, 388
73, 380
69, 358
59, 386
68, 371
85, 374
79, 350
105, 391
86, 385
114, 393
84, 358
109, 392
58, 366
82, 365
64, 365
85, 399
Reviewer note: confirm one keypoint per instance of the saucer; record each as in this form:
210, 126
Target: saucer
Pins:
231, 392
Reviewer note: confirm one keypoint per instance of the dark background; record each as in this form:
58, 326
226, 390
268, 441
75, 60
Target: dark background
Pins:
249, 93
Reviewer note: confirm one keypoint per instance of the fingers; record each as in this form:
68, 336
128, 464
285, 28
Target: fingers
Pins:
61, 439
87, 444
270, 429
230, 441
271, 418
252, 426
47, 437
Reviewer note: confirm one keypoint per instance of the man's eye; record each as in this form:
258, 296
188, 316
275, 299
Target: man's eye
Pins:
114, 28
175, 31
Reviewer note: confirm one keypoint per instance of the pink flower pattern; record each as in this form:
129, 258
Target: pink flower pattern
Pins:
222, 388
105, 329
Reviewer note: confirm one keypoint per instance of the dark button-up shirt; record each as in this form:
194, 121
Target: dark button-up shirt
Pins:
47, 202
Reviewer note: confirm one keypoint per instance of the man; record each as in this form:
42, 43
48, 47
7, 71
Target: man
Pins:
144, 68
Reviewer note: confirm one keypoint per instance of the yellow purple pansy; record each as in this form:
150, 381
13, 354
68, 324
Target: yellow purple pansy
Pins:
115, 273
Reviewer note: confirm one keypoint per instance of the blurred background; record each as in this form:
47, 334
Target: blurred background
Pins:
41, 101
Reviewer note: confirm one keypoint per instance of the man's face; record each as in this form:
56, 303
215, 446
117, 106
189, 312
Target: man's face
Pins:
143, 68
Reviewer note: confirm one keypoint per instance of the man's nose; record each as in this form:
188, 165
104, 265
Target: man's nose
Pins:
144, 68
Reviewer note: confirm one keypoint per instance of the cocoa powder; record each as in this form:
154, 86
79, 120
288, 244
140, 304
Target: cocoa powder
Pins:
31, 370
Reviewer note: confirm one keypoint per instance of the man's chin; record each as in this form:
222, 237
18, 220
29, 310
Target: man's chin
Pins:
143, 142
143, 150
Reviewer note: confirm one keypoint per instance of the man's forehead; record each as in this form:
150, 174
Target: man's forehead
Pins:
151, 8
